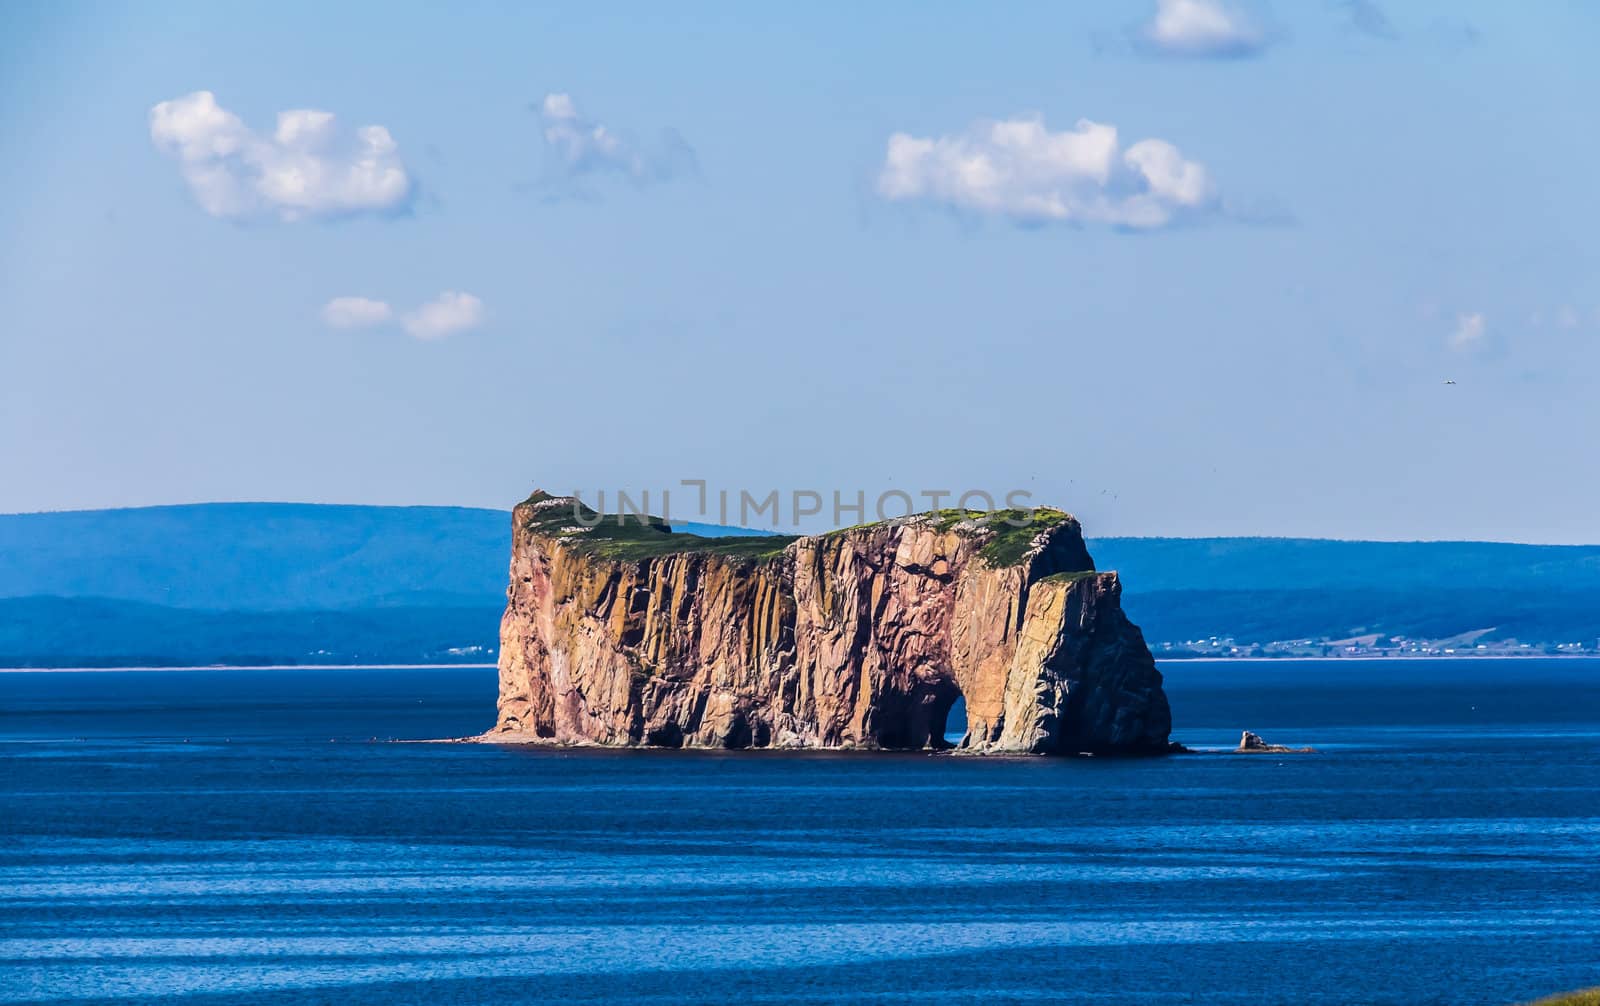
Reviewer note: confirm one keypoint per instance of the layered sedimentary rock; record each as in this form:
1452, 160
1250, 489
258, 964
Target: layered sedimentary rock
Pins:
625, 634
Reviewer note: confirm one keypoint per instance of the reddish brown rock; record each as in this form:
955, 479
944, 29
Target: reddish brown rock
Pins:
862, 638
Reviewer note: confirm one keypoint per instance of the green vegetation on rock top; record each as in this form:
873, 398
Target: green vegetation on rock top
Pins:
1015, 531
1070, 577
633, 538
634, 542
630, 538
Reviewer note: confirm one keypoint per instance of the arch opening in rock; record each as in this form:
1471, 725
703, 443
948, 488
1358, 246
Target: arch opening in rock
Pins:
955, 722
914, 719
940, 701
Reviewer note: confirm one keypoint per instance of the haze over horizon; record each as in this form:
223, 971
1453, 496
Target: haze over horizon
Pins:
1183, 268
695, 524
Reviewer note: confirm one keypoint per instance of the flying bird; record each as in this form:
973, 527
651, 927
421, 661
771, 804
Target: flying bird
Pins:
1449, 382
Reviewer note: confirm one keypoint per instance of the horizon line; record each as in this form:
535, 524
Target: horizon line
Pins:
507, 512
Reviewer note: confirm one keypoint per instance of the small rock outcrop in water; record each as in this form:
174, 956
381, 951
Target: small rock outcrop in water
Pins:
1251, 743
626, 634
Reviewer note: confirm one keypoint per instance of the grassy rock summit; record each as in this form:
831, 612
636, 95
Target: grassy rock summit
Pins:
620, 632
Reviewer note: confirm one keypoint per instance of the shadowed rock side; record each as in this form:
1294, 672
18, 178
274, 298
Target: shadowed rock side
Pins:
862, 638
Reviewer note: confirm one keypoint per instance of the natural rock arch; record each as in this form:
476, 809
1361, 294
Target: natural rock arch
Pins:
626, 634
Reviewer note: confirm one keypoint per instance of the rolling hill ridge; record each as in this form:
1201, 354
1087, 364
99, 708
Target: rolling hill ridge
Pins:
315, 583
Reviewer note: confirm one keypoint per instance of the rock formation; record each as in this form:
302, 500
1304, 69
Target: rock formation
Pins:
1251, 743
622, 633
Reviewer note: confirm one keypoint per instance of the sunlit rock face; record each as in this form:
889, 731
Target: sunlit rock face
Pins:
860, 639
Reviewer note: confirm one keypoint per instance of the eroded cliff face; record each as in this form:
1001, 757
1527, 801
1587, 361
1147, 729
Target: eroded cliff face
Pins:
863, 638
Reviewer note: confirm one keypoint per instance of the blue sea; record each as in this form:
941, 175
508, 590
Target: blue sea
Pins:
258, 836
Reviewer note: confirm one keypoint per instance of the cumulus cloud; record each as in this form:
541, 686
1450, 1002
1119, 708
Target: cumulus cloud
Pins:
449, 313
308, 167
1019, 169
1201, 29
579, 146
355, 312
1470, 334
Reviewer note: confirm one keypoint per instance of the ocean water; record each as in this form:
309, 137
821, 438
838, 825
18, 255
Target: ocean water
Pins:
256, 837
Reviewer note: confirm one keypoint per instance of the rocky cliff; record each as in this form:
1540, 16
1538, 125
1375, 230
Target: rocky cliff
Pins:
627, 634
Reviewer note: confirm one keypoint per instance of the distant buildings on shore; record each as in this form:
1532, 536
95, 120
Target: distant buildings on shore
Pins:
1468, 644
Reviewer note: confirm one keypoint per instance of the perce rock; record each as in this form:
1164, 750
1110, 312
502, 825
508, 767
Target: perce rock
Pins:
627, 634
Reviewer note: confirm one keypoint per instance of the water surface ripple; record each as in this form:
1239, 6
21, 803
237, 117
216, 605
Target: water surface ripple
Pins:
254, 837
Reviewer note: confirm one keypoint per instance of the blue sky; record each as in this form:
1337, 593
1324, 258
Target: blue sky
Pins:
1183, 268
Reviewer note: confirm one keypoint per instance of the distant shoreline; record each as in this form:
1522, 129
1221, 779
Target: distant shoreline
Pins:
1353, 659
443, 667
247, 667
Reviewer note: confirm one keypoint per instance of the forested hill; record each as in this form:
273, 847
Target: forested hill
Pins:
311, 583
1164, 564
265, 556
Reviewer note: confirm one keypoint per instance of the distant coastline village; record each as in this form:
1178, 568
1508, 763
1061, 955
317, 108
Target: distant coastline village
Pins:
1469, 644
1368, 646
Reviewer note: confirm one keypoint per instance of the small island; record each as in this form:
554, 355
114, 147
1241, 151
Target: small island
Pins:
1252, 743
619, 632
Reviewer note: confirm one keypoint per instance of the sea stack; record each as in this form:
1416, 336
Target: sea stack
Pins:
622, 633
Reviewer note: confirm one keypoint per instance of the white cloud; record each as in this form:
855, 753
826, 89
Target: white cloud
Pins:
559, 107
308, 167
355, 312
1201, 29
447, 314
1471, 333
581, 146
1018, 168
